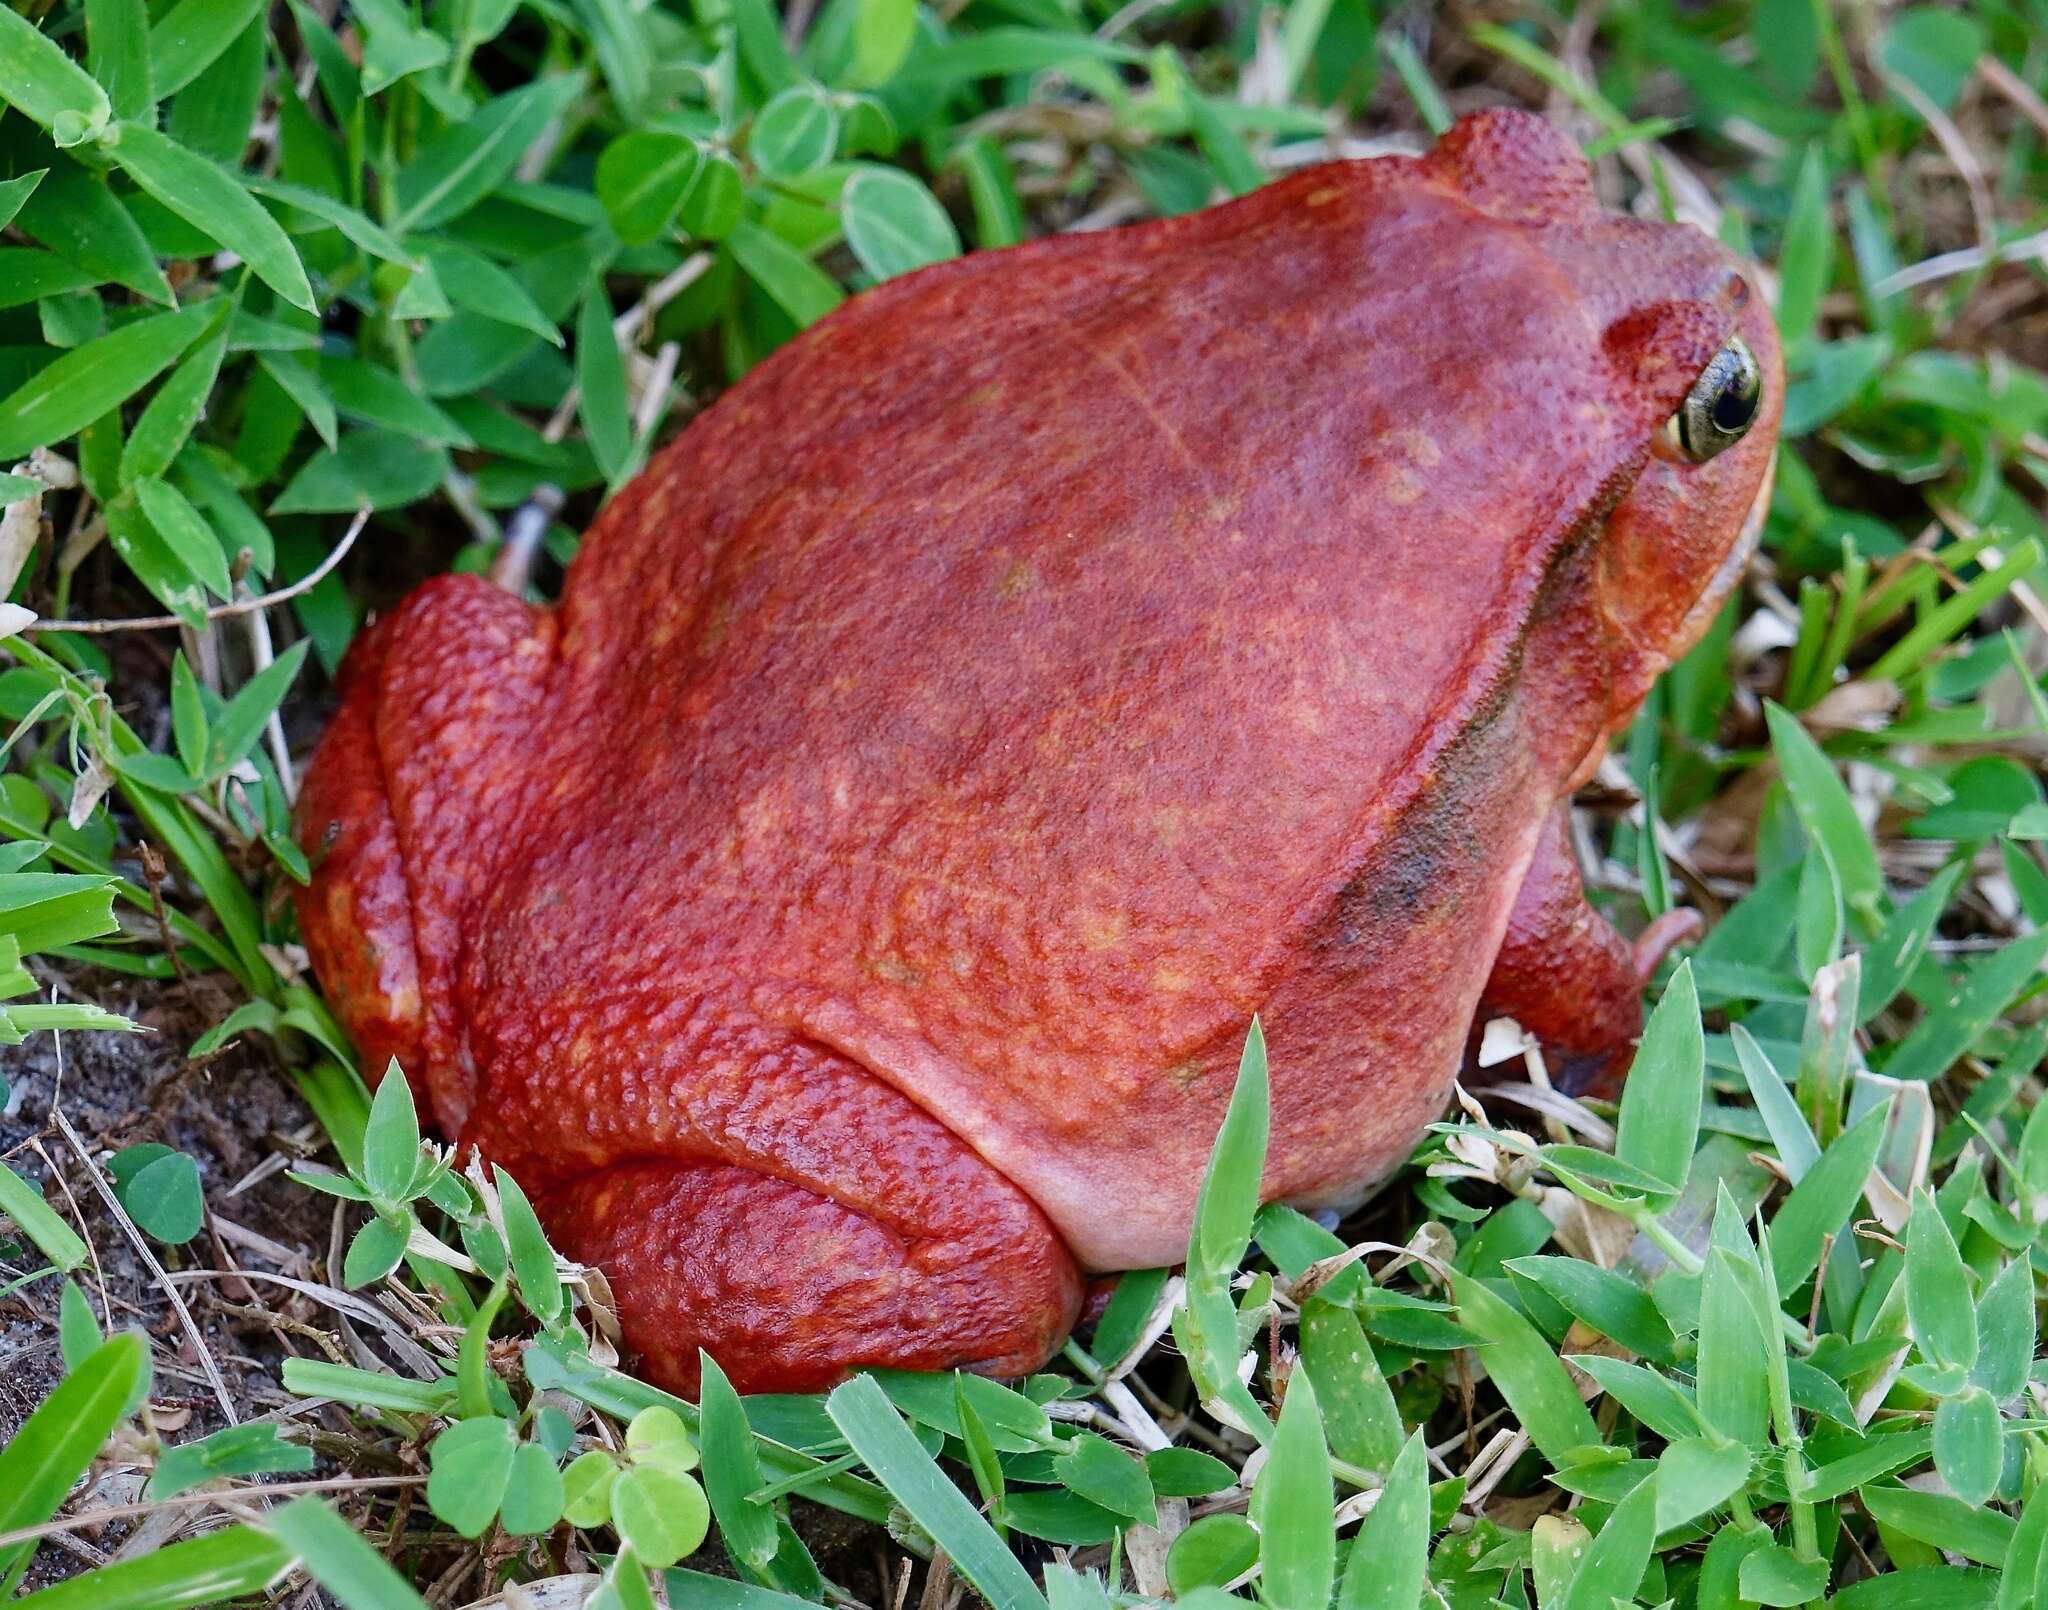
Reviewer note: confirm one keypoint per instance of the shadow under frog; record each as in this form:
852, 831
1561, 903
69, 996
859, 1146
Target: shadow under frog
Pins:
844, 911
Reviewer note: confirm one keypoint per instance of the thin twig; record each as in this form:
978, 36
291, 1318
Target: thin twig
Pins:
632, 324
2014, 88
261, 655
796, 23
2023, 594
154, 871
99, 1274
81, 1549
628, 329
344, 1303
1960, 156
661, 374
1965, 261
241, 606
512, 567
163, 1279
938, 1582
282, 1489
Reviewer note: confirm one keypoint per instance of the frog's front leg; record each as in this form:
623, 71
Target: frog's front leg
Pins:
1568, 977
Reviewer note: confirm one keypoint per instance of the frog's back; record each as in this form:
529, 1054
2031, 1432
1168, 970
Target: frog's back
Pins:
1006, 677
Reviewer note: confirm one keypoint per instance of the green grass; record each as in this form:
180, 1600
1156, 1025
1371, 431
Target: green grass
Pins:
1765, 1336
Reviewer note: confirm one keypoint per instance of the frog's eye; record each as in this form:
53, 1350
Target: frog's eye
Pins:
1722, 403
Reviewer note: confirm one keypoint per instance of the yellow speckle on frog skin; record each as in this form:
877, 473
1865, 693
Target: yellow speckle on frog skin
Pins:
1018, 577
1421, 448
892, 971
1402, 485
1100, 930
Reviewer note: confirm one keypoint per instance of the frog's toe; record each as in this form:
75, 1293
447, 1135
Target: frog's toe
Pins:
1665, 934
791, 1290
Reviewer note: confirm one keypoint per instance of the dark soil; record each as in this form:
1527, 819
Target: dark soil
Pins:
238, 1118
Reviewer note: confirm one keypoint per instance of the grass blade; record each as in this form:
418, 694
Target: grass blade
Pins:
336, 1557
46, 85
227, 1564
732, 1473
87, 381
1222, 1230
192, 37
1826, 812
210, 198
56, 1444
601, 384
1527, 1371
873, 1428
1291, 1506
1660, 1103
1952, 1027
1389, 1558
1614, 1562
36, 1219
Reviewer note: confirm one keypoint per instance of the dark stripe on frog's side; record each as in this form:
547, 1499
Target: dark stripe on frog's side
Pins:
1398, 880
1367, 1028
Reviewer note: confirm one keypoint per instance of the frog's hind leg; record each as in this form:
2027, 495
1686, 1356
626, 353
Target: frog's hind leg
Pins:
356, 914
406, 811
845, 1227
1568, 977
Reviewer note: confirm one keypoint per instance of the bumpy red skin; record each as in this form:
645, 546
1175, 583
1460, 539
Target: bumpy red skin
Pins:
844, 913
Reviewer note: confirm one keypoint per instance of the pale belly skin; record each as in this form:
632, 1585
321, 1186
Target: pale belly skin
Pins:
845, 912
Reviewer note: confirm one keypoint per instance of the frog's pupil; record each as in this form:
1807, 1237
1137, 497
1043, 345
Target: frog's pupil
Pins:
1735, 407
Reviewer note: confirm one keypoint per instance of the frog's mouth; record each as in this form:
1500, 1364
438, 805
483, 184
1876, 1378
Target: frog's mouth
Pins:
1729, 573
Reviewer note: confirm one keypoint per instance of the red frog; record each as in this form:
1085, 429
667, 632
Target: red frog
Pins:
844, 911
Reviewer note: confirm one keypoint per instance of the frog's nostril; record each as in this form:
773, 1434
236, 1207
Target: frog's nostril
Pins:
1735, 289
